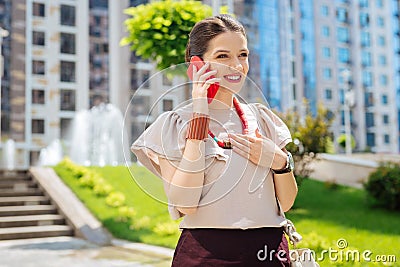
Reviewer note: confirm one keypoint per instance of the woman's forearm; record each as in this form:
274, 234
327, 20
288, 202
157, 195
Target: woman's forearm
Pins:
286, 189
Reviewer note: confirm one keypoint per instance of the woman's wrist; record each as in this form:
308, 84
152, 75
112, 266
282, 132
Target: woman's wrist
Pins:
200, 105
280, 160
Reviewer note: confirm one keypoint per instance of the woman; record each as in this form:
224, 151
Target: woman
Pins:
228, 198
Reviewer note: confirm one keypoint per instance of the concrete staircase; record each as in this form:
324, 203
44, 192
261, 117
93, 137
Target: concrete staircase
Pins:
26, 211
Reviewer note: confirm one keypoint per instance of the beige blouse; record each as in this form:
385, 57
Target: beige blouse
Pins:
236, 193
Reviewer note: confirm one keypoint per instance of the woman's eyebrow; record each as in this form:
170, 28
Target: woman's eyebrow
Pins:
228, 51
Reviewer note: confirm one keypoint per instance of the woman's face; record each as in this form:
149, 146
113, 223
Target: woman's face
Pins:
228, 54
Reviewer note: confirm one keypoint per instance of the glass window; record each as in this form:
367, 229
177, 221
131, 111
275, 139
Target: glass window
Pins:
343, 55
37, 126
384, 99
38, 38
325, 31
370, 139
67, 100
380, 22
327, 72
67, 71
383, 79
363, 3
341, 14
343, 34
364, 19
168, 104
369, 119
369, 99
38, 10
341, 96
367, 78
67, 15
293, 47
326, 52
67, 43
65, 125
139, 78
38, 67
385, 119
381, 40
379, 3
386, 138
328, 94
366, 58
382, 60
365, 39
324, 11
38, 96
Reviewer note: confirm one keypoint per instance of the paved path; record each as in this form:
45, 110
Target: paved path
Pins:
75, 252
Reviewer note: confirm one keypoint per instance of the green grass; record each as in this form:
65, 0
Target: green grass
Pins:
322, 214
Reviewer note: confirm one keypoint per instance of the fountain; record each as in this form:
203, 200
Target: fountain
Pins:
51, 155
97, 136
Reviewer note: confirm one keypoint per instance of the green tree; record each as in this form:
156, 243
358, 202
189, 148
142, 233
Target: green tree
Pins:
311, 135
160, 30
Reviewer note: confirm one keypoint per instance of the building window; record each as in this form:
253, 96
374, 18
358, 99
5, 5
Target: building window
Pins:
341, 14
343, 55
383, 79
38, 38
366, 59
327, 72
367, 79
326, 52
363, 3
382, 60
37, 126
38, 67
324, 11
365, 39
381, 40
379, 3
385, 119
168, 104
140, 79
384, 99
364, 20
380, 22
386, 138
38, 97
341, 96
67, 100
369, 99
67, 15
369, 119
67, 43
343, 34
293, 47
370, 139
328, 94
38, 10
67, 71
65, 126
325, 31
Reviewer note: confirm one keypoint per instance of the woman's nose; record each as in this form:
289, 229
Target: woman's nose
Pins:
236, 64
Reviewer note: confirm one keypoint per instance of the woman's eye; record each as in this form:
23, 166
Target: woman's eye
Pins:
222, 56
244, 55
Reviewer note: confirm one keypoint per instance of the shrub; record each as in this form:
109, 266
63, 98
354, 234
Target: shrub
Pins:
166, 228
115, 199
140, 223
125, 214
383, 185
102, 189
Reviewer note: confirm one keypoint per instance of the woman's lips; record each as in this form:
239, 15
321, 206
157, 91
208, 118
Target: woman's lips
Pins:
233, 78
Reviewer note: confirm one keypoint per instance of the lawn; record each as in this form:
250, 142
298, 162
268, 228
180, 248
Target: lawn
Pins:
323, 214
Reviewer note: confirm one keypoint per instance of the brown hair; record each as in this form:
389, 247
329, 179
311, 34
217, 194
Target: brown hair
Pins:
206, 30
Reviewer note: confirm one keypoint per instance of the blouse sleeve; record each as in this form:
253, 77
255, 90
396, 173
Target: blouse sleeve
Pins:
272, 126
164, 138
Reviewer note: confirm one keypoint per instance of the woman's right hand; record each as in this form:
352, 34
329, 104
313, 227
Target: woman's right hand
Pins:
201, 83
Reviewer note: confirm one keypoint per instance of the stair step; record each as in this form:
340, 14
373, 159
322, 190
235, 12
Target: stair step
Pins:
31, 220
24, 200
13, 174
14, 180
27, 210
16, 193
18, 185
35, 232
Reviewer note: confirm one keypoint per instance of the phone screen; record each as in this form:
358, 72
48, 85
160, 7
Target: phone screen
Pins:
198, 62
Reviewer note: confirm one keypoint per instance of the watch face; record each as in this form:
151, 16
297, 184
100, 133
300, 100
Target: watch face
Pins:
291, 161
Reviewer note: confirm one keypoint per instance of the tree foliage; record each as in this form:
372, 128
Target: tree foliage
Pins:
160, 30
311, 135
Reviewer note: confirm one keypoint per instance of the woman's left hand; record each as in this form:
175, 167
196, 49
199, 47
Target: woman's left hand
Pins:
260, 150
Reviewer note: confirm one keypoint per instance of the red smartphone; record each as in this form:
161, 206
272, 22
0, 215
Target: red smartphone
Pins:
198, 62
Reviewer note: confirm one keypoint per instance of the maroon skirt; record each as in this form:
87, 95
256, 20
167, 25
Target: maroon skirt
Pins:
232, 247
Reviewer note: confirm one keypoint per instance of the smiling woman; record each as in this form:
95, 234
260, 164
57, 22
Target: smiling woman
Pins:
223, 163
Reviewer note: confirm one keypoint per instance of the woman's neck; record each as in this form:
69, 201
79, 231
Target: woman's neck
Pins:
222, 100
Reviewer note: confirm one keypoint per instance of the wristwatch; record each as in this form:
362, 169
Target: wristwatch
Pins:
288, 167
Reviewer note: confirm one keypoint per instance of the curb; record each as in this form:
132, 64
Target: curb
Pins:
144, 248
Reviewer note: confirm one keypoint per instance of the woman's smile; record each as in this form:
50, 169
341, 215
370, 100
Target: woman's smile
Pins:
233, 78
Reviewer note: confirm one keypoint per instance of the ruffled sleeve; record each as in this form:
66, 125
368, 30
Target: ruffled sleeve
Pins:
271, 125
164, 138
